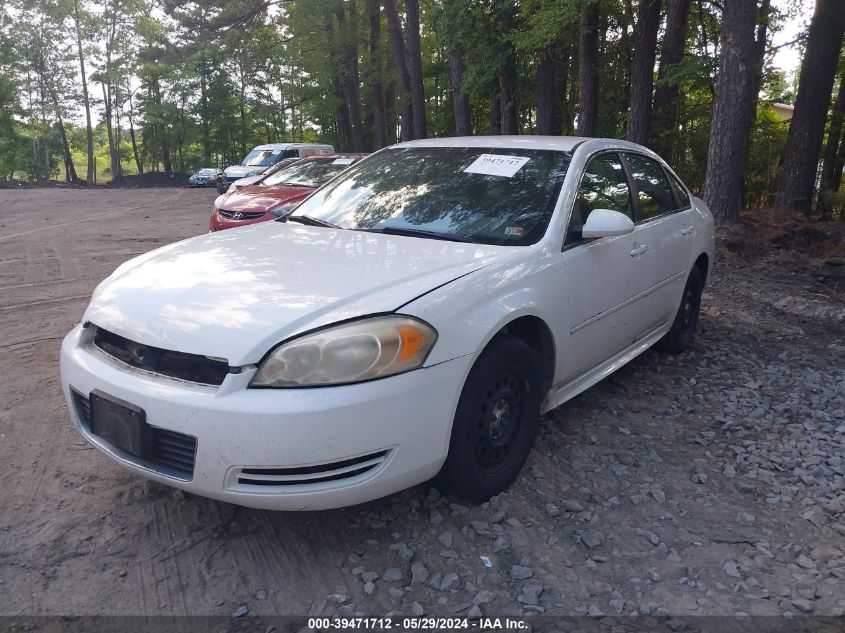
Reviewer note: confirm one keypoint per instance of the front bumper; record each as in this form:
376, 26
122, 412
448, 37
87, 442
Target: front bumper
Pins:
405, 420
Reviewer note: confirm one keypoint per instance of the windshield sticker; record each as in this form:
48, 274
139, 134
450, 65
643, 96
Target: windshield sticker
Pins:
496, 165
517, 231
342, 161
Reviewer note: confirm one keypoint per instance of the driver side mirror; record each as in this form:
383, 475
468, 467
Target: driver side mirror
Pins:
606, 223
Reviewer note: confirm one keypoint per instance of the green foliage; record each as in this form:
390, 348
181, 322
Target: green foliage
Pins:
198, 84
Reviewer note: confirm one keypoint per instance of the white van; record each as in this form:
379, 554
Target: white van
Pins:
262, 157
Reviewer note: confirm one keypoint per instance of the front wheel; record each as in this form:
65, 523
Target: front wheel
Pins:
679, 338
495, 421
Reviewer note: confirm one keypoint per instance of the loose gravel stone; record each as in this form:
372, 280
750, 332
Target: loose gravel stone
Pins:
483, 597
445, 539
449, 581
648, 535
518, 572
572, 505
394, 574
592, 539
419, 573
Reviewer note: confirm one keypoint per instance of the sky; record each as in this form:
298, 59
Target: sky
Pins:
789, 58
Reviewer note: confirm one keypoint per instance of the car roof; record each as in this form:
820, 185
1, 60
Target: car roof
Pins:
289, 145
559, 143
355, 155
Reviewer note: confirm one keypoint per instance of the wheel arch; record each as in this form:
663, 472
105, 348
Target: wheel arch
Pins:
702, 262
538, 335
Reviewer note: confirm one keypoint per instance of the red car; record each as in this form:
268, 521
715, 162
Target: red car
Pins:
277, 195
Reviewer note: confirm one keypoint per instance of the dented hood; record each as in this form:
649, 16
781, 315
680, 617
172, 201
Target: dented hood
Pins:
237, 293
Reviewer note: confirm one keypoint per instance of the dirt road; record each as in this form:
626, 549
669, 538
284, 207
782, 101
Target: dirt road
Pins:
710, 483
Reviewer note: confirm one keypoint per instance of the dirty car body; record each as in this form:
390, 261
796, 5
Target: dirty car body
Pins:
326, 360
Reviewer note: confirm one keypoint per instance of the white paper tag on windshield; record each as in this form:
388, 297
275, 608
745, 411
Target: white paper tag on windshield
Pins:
342, 161
496, 165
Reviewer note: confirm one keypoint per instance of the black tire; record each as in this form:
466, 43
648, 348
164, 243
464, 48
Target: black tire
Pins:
221, 187
495, 421
679, 337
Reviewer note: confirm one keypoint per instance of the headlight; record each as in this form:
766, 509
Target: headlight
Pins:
353, 352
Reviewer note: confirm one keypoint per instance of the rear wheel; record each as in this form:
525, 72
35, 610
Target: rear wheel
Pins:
495, 421
679, 338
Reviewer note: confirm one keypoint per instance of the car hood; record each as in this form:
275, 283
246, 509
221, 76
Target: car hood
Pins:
237, 293
239, 171
256, 198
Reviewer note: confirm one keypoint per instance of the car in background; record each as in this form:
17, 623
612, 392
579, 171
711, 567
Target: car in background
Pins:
261, 157
276, 195
251, 180
205, 177
411, 319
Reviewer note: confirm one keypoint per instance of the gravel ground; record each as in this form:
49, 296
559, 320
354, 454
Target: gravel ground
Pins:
707, 483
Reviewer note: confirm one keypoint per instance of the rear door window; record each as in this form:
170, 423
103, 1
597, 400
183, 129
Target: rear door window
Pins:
654, 192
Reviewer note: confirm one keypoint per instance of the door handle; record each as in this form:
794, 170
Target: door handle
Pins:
687, 230
639, 250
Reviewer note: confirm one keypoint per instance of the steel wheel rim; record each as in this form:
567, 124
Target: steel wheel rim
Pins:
497, 423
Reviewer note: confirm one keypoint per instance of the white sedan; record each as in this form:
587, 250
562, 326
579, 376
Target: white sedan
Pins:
412, 319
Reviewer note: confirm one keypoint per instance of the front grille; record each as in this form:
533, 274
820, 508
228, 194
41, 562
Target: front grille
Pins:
172, 453
244, 215
83, 408
304, 475
191, 367
174, 450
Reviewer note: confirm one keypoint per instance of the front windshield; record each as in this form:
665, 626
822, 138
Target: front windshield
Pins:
207, 172
484, 195
261, 157
308, 173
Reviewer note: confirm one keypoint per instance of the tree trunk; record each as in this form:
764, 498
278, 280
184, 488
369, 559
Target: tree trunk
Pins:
105, 82
728, 147
642, 70
412, 14
806, 131
377, 100
548, 97
664, 129
460, 101
114, 156
89, 130
135, 153
567, 92
496, 116
400, 59
70, 168
351, 79
242, 104
838, 168
588, 72
206, 134
756, 71
507, 85
830, 178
